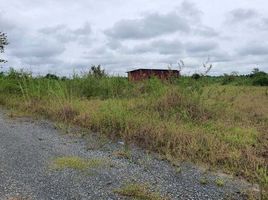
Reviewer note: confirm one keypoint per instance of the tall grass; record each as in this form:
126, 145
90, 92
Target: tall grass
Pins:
200, 121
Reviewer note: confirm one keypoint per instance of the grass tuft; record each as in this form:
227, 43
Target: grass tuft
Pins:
138, 192
219, 182
76, 163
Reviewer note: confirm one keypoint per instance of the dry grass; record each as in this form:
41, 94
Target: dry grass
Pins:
139, 192
126, 154
222, 126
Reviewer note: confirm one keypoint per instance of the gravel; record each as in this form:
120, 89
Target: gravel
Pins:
27, 148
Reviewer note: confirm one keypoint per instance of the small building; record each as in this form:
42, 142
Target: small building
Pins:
142, 74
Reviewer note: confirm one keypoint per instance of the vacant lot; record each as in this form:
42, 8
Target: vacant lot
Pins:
202, 121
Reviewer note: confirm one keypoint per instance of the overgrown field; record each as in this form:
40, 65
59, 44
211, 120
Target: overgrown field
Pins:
205, 121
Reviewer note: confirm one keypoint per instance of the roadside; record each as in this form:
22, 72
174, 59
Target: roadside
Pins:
39, 162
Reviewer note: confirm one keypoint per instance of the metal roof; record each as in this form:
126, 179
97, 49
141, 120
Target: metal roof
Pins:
174, 70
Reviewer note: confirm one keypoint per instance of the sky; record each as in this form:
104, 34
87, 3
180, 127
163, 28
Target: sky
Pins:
67, 36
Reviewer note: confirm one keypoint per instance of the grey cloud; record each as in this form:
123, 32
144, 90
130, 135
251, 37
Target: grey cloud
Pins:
202, 47
85, 30
205, 31
41, 48
37, 61
164, 47
189, 10
178, 48
168, 32
114, 44
240, 14
263, 25
6, 25
254, 49
65, 34
149, 26
265, 21
185, 20
26, 47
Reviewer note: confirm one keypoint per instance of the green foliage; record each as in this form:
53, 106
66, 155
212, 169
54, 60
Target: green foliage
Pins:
261, 80
96, 71
196, 76
76, 163
219, 182
139, 192
227, 79
52, 76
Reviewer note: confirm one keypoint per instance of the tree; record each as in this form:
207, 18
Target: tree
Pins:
3, 43
52, 76
97, 71
255, 70
257, 73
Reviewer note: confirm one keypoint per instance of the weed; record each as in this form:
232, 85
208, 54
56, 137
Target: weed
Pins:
203, 181
76, 163
219, 182
126, 154
139, 192
178, 170
262, 175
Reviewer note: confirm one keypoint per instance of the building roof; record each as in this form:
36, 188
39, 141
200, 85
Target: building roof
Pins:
144, 69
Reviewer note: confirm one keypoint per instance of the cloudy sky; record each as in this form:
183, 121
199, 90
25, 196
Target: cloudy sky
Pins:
64, 36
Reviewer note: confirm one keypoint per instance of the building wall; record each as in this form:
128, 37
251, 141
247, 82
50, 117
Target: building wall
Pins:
146, 74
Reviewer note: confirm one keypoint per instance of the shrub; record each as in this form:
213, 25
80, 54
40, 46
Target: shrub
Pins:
260, 81
52, 76
196, 76
227, 79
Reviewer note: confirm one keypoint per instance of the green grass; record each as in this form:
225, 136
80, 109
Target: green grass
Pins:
138, 192
201, 121
219, 182
76, 163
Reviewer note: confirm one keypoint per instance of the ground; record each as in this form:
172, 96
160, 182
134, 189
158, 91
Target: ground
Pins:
33, 155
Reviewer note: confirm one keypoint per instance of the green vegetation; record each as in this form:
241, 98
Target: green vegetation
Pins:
76, 163
219, 182
124, 153
139, 192
203, 181
221, 122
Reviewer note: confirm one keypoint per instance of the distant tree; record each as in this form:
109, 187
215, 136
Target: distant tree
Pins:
259, 78
52, 76
64, 78
257, 73
196, 76
255, 70
234, 73
97, 71
3, 43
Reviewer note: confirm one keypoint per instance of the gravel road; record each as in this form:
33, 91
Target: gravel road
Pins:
27, 148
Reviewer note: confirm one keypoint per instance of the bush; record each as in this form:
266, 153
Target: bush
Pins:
260, 81
52, 76
196, 76
227, 79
